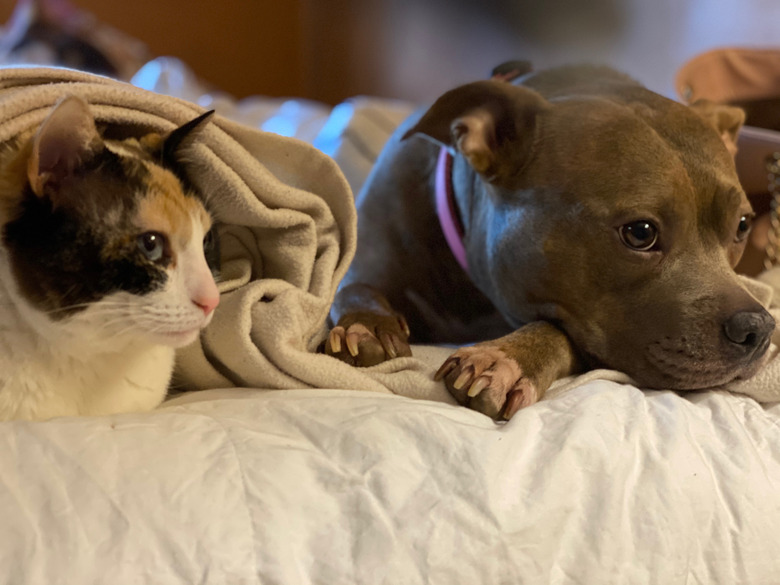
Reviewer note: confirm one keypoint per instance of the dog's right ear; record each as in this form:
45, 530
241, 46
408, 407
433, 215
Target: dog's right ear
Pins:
491, 123
727, 120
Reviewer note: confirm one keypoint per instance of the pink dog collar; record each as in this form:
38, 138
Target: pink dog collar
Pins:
445, 209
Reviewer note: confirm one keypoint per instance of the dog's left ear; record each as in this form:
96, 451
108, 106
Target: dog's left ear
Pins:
491, 123
727, 120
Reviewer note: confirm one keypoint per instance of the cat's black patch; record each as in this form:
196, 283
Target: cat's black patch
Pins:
75, 245
178, 137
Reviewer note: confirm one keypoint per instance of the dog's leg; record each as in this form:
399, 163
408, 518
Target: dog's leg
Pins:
501, 376
368, 331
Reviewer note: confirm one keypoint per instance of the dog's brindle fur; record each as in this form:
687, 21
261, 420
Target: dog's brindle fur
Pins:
561, 180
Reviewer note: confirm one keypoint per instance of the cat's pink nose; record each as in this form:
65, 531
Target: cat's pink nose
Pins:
207, 304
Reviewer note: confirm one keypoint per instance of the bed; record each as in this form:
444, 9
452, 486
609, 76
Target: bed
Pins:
299, 470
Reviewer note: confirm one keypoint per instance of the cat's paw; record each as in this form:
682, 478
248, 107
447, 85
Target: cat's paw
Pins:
486, 379
367, 340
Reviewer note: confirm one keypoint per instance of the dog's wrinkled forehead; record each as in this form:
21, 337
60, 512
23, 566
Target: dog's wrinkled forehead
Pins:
619, 150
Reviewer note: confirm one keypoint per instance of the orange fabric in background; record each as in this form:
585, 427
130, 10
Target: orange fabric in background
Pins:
730, 74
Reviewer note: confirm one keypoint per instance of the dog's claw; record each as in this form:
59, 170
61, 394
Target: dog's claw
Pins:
352, 344
335, 340
525, 395
404, 326
514, 402
478, 386
445, 369
465, 377
387, 343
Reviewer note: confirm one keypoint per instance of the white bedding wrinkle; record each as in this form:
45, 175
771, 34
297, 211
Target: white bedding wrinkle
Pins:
603, 484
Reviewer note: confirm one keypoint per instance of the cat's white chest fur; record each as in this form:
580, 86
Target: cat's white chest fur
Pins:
64, 373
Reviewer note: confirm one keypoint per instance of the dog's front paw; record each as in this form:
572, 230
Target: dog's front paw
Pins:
485, 378
367, 339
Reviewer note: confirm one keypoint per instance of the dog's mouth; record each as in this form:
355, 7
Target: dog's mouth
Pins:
680, 364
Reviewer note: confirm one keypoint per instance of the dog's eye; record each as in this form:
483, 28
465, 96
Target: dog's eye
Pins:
639, 235
744, 227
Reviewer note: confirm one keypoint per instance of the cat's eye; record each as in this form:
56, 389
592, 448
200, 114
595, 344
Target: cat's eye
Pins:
153, 245
208, 240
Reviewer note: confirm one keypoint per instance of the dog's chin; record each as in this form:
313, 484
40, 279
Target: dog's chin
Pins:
663, 369
687, 377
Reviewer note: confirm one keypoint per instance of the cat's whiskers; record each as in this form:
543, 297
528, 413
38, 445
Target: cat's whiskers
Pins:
165, 311
104, 304
155, 326
56, 313
110, 329
128, 329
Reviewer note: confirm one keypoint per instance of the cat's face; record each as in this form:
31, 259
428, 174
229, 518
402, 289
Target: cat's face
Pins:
101, 236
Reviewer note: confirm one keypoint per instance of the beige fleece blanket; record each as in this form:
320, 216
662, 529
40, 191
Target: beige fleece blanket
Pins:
289, 233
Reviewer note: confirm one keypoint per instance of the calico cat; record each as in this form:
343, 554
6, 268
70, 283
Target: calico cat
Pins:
102, 268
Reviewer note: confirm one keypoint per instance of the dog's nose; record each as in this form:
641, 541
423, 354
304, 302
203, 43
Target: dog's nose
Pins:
749, 329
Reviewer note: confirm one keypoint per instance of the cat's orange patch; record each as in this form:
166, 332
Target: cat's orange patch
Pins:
151, 142
166, 209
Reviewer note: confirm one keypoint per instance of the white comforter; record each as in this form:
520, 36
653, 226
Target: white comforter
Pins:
603, 484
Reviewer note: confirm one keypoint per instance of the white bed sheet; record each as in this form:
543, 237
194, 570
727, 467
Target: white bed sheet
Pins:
603, 484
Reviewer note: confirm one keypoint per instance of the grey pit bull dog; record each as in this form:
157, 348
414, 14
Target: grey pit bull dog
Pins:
584, 221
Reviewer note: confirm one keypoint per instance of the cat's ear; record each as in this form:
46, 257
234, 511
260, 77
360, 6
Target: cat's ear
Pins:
183, 135
66, 140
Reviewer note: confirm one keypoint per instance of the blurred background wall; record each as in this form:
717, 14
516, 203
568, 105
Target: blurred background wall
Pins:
415, 49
